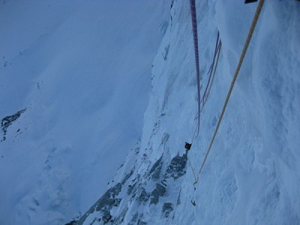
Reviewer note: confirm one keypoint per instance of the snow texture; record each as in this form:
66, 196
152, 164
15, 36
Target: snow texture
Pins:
252, 174
82, 69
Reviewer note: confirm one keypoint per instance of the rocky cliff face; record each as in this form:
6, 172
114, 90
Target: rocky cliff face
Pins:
129, 200
252, 173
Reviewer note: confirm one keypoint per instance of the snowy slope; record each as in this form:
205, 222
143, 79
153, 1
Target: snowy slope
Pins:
252, 175
82, 71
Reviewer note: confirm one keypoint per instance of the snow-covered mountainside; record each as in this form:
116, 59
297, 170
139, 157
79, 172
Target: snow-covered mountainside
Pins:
71, 113
75, 77
252, 175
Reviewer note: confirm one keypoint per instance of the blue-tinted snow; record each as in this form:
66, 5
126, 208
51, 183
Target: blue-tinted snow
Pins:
252, 174
83, 71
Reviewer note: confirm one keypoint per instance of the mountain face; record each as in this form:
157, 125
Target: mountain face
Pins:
82, 71
252, 173
63, 135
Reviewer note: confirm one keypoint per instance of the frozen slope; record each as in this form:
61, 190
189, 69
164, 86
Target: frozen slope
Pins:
252, 175
82, 71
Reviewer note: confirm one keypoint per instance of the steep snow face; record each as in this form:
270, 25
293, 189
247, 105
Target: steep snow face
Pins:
74, 84
252, 174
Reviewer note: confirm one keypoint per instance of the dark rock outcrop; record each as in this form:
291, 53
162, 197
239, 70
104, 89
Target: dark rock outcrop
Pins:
104, 205
8, 120
156, 169
159, 191
166, 209
176, 169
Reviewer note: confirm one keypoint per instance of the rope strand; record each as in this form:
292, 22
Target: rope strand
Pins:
195, 35
250, 34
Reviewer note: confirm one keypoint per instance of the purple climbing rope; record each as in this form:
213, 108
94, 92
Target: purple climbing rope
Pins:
195, 35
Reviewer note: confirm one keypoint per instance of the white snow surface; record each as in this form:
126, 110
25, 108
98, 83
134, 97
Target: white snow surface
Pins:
252, 174
82, 69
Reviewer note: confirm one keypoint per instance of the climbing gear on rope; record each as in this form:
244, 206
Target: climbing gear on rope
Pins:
211, 72
254, 22
211, 76
195, 35
188, 146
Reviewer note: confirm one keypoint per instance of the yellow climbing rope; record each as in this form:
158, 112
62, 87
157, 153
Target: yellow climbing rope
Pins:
254, 22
